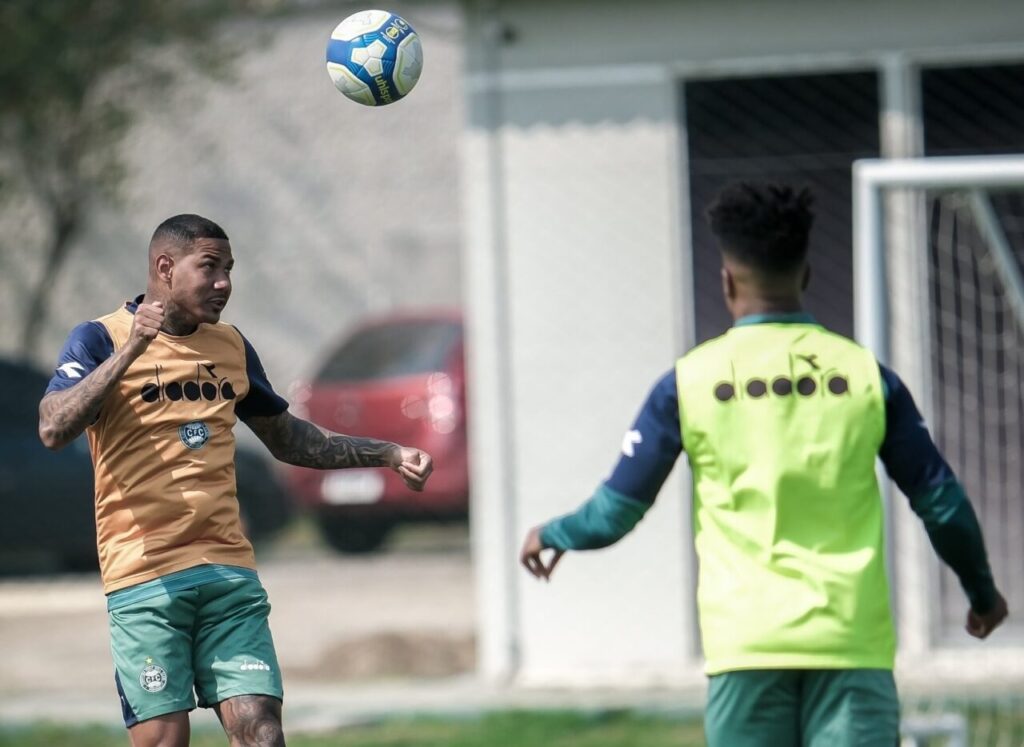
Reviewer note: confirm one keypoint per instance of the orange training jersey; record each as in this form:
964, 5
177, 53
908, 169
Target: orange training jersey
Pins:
163, 451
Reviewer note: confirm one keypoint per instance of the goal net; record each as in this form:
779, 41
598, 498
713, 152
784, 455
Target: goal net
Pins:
939, 297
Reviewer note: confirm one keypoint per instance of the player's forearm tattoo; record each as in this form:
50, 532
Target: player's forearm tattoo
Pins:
64, 415
304, 444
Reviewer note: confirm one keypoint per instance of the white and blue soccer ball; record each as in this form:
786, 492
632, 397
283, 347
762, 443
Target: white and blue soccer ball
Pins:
374, 57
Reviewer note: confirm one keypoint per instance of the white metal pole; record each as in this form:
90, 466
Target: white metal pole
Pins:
869, 275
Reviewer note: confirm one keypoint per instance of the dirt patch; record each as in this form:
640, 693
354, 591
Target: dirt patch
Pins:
390, 655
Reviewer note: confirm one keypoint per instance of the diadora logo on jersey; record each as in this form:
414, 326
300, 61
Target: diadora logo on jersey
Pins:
195, 434
153, 678
72, 370
807, 384
205, 385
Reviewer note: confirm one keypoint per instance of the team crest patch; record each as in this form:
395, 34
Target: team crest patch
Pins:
195, 434
153, 678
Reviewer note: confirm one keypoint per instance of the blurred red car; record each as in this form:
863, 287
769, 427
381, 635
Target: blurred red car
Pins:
398, 378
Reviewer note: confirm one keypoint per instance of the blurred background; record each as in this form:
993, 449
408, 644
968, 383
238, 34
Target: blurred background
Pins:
497, 268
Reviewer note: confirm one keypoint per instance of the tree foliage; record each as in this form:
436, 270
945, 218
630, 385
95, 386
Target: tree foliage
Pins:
69, 72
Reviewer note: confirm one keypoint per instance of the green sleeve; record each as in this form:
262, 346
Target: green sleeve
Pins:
955, 534
603, 520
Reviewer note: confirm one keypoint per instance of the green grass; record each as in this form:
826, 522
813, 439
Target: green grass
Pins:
506, 729
990, 724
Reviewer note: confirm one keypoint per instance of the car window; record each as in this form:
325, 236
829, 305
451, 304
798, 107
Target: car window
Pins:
391, 350
21, 388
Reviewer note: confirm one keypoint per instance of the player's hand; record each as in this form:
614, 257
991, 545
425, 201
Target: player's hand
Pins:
414, 466
980, 626
147, 322
530, 556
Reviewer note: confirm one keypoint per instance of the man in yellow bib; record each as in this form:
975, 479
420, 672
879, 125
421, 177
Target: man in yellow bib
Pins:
158, 386
782, 422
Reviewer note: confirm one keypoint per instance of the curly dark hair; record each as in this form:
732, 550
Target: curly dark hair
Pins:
764, 226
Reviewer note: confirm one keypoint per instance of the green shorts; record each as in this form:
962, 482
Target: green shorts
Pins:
802, 708
210, 641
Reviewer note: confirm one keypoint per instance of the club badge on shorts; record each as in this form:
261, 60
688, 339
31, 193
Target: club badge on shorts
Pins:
153, 677
195, 434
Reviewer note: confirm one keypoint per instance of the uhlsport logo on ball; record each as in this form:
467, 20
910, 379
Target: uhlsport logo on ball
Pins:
374, 57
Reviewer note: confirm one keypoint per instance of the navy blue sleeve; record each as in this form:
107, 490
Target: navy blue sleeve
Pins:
262, 400
908, 452
652, 446
914, 463
87, 346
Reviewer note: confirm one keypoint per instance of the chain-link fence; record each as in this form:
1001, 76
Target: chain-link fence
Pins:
802, 129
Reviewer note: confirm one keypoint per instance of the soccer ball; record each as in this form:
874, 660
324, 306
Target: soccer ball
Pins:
374, 57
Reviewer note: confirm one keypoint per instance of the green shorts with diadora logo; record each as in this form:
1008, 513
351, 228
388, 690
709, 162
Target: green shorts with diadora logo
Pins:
198, 634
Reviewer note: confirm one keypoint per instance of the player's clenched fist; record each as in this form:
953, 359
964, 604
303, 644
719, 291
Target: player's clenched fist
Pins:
413, 465
980, 626
148, 319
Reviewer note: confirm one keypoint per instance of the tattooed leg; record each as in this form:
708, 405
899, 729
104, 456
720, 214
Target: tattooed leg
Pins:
251, 720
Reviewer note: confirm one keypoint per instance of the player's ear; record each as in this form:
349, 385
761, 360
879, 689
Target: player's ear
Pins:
728, 284
165, 267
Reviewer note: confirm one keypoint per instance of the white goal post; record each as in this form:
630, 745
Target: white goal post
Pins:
939, 296
871, 177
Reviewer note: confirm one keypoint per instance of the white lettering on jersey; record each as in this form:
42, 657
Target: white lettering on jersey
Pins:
631, 439
72, 370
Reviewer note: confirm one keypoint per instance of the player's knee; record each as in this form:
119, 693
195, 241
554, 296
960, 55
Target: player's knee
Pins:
257, 732
258, 725
165, 738
171, 730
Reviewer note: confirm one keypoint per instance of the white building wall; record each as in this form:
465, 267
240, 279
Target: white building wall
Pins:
593, 260
576, 257
589, 258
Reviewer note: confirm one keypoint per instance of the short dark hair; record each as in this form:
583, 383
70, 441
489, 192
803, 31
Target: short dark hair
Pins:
184, 229
764, 226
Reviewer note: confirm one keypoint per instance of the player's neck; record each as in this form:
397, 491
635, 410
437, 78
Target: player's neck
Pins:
178, 327
175, 322
750, 306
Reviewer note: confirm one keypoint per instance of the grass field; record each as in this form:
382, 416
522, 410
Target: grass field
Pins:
995, 724
509, 729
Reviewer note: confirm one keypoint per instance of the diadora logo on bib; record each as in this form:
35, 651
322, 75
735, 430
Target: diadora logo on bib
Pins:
811, 382
205, 385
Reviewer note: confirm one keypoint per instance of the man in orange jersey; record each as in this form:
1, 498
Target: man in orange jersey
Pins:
157, 386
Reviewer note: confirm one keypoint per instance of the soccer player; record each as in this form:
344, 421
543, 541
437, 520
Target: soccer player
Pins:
782, 421
157, 386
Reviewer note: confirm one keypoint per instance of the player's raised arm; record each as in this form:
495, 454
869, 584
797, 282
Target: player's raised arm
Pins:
65, 414
299, 442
